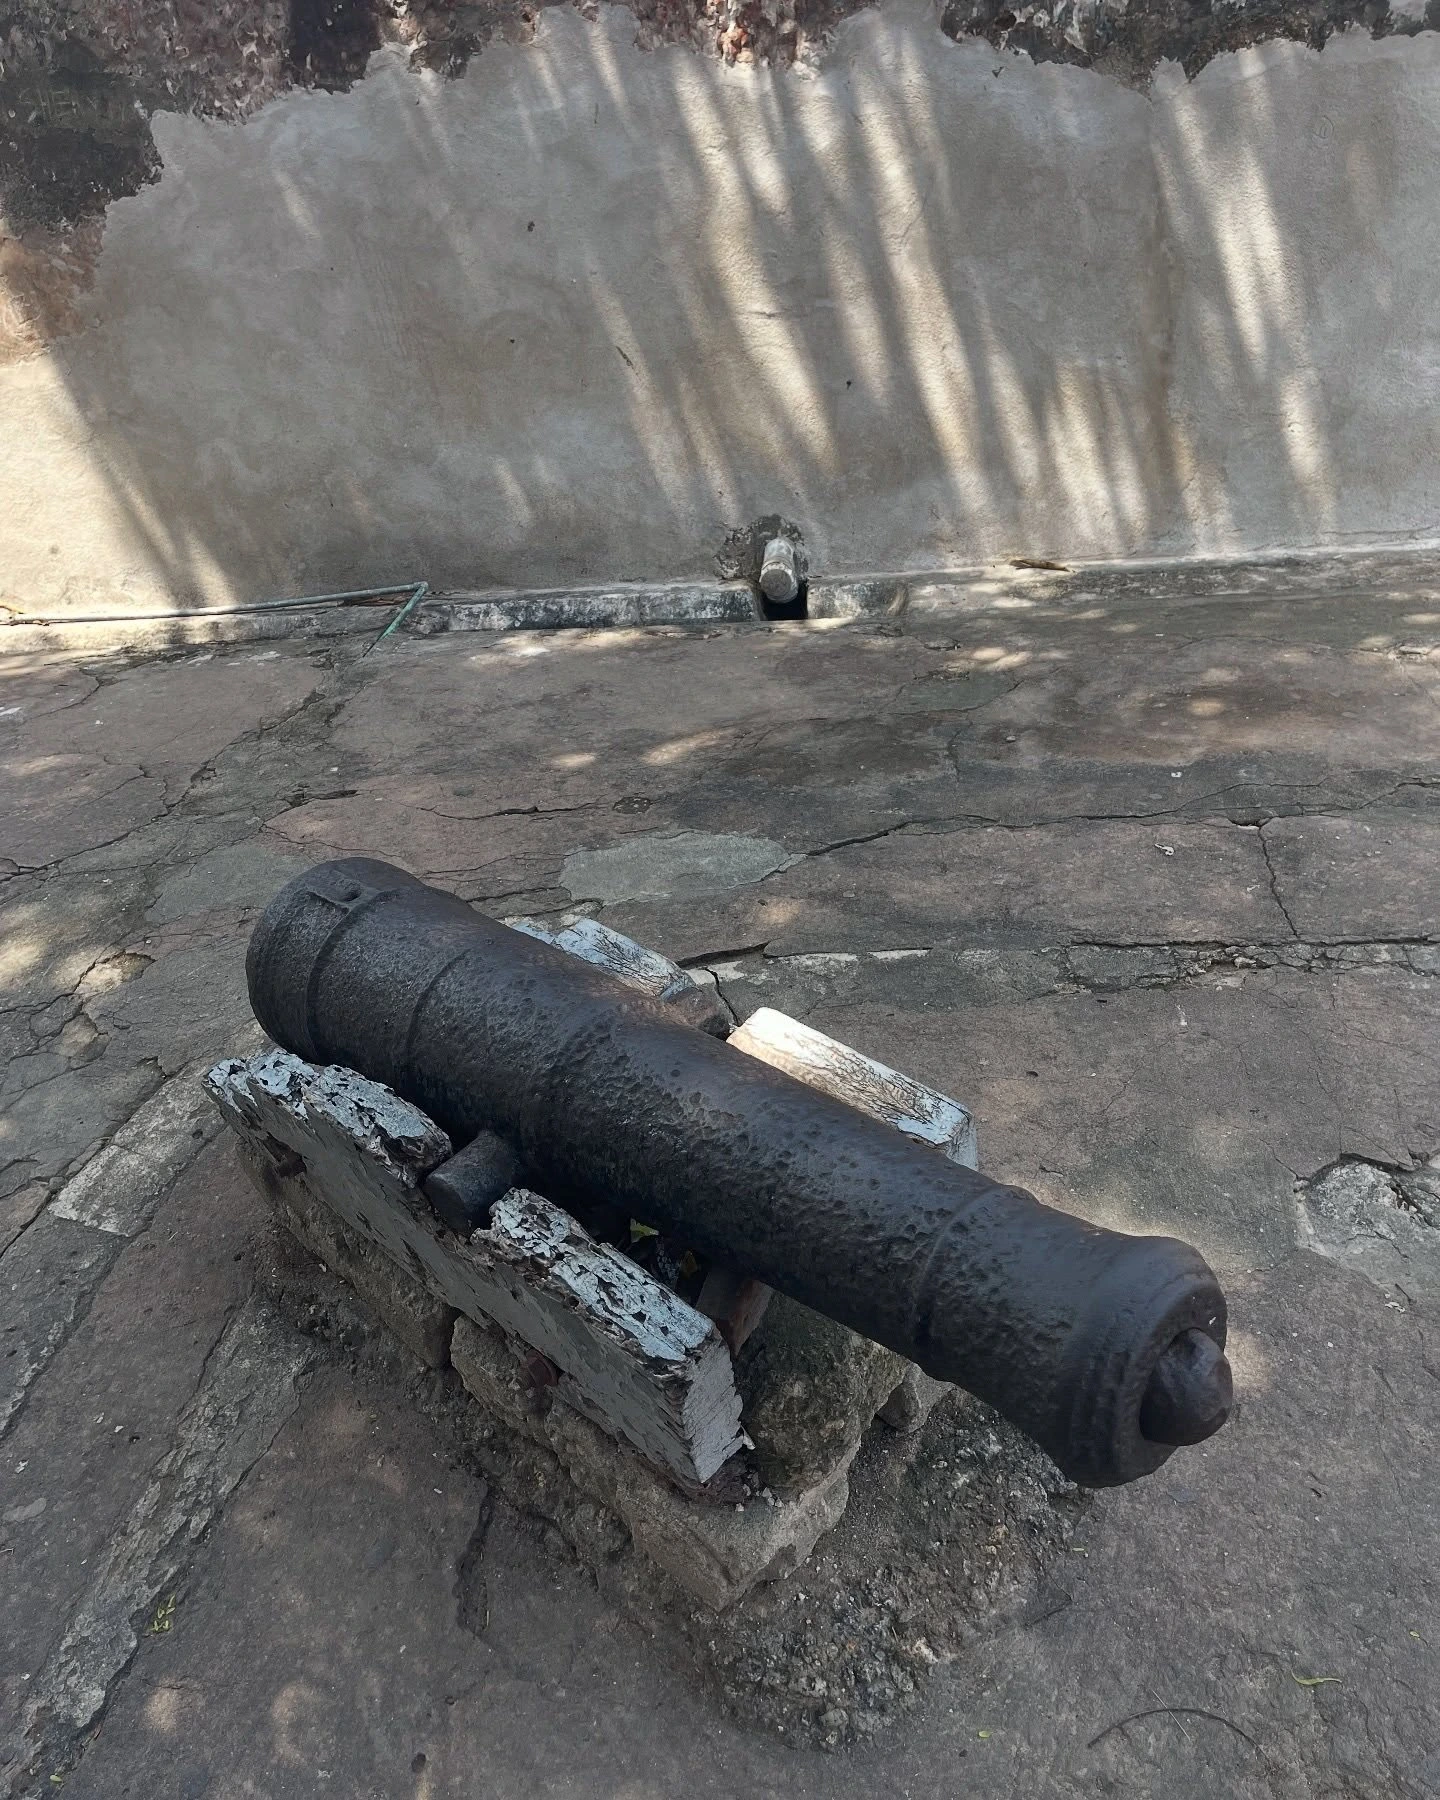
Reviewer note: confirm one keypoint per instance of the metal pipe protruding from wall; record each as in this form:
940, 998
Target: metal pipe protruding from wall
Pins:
779, 571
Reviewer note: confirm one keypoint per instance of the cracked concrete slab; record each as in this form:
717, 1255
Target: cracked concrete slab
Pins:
20, 1206
104, 1412
101, 802
918, 886
54, 931
1030, 869
68, 789
233, 876
426, 825
47, 1127
1326, 867
119, 1188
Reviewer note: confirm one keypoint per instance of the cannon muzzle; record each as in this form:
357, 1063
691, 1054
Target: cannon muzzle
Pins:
1107, 1349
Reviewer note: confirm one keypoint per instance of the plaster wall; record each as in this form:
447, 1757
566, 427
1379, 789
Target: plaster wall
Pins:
573, 314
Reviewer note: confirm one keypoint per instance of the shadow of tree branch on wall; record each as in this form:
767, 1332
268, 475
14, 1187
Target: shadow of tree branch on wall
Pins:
575, 314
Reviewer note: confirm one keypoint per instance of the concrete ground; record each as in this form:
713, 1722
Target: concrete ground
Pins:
1141, 868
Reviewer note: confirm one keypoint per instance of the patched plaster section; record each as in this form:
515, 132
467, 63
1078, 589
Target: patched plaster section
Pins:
1383, 1223
665, 865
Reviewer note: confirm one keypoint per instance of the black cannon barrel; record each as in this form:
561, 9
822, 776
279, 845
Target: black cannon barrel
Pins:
1105, 1348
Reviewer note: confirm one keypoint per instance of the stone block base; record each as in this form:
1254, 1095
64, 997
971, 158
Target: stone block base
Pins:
716, 1551
913, 1401
422, 1323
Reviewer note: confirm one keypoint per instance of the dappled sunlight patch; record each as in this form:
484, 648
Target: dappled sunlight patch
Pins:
510, 646
114, 971
164, 1711
26, 768
297, 1714
675, 750
780, 912
998, 656
20, 951
664, 864
1250, 1362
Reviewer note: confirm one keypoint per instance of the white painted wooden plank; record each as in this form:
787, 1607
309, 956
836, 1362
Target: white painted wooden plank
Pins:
396, 1139
593, 942
645, 969
834, 1068
643, 1363
638, 1360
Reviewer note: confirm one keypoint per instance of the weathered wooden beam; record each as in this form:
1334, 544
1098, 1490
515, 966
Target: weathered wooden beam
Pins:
869, 1086
631, 1355
697, 1001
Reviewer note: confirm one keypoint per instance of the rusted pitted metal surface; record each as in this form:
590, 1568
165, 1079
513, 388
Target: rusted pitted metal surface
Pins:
1072, 1331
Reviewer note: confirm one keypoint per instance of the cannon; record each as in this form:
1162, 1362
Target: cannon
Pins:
1106, 1348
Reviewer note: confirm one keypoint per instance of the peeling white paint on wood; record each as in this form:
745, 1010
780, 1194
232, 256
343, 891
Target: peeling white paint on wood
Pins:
869, 1086
632, 963
641, 1361
632, 1355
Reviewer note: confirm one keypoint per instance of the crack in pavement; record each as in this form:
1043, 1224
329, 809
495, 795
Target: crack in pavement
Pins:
1275, 883
168, 808
1114, 966
507, 812
868, 837
704, 957
1328, 806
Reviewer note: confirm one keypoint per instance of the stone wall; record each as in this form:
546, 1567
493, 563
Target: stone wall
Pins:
306, 297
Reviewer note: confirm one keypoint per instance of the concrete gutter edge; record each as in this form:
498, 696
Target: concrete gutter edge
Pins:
641, 605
